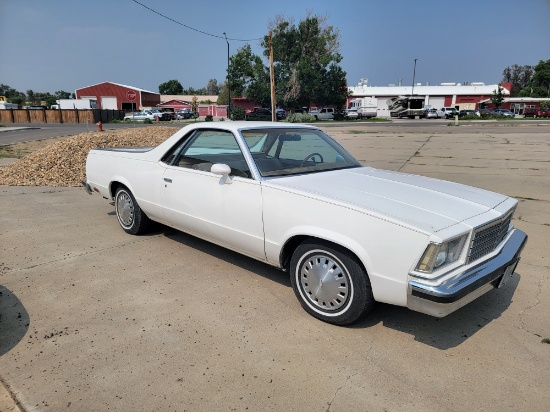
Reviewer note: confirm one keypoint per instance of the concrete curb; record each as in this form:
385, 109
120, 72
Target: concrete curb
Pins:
12, 129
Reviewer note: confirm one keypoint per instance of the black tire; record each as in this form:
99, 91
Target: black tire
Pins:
130, 216
329, 283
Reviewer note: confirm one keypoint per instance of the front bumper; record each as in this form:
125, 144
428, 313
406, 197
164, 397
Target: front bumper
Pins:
450, 295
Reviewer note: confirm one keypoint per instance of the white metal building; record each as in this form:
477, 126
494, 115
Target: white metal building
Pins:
458, 95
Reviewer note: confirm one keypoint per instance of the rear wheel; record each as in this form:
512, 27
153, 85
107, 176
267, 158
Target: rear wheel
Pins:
129, 214
329, 283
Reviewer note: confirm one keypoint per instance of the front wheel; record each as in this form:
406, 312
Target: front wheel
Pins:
129, 214
329, 283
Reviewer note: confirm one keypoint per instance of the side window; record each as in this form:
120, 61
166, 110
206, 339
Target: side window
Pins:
207, 147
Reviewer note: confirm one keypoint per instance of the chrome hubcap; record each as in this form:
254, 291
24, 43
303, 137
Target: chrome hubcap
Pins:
125, 209
324, 282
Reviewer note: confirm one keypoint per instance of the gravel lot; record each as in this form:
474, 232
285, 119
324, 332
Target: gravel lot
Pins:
63, 163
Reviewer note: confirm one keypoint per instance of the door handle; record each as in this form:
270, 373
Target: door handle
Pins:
167, 180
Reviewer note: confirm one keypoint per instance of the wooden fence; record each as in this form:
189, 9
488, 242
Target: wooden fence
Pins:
60, 116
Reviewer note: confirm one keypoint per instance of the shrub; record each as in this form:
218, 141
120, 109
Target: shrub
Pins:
300, 118
237, 113
209, 118
147, 121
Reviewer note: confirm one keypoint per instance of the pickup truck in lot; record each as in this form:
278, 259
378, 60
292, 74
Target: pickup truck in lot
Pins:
449, 112
290, 196
326, 113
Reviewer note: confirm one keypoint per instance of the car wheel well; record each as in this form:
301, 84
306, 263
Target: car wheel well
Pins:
292, 243
113, 188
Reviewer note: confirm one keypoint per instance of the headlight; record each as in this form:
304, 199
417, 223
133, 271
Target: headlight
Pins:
438, 255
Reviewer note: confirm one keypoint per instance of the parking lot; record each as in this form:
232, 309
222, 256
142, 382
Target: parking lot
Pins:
93, 319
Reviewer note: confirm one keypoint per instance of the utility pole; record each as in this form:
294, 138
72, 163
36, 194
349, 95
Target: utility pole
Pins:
272, 79
227, 82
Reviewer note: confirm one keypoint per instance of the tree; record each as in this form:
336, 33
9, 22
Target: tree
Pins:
12, 95
192, 91
223, 95
249, 77
49, 100
539, 86
171, 87
60, 94
307, 62
31, 98
498, 96
195, 104
519, 76
212, 88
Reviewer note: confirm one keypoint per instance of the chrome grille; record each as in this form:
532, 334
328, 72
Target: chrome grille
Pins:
487, 237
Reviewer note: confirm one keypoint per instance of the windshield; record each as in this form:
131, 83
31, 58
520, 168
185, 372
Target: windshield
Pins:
287, 151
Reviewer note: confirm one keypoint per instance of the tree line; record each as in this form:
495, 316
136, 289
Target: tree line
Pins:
32, 98
528, 81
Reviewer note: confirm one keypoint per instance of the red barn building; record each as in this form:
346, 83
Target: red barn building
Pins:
118, 96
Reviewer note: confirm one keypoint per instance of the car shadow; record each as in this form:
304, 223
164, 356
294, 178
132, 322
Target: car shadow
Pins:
14, 320
219, 252
441, 333
450, 331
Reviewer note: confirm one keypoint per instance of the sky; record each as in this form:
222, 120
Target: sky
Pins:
51, 45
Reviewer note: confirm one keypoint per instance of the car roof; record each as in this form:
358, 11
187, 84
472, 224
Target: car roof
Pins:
244, 125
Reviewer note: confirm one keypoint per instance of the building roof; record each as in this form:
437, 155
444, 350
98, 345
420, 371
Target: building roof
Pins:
520, 99
445, 89
121, 85
168, 97
175, 102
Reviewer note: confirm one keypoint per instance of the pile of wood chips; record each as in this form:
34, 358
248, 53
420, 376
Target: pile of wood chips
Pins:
63, 163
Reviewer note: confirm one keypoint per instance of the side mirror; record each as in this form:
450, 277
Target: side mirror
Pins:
222, 170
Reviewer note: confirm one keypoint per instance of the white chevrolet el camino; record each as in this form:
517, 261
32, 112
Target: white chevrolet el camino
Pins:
292, 197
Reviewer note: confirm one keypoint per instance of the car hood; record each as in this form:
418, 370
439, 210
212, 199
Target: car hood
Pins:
425, 203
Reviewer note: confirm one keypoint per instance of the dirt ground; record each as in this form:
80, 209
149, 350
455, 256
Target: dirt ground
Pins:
19, 150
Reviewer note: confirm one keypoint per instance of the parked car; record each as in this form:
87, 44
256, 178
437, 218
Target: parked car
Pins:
171, 114
351, 114
431, 114
498, 112
449, 112
168, 116
263, 114
156, 112
292, 197
463, 113
281, 114
141, 116
483, 112
186, 114
326, 113
535, 112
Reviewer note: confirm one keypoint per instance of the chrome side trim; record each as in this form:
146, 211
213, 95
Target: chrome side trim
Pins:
450, 295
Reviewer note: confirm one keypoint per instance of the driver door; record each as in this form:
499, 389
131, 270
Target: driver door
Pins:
226, 210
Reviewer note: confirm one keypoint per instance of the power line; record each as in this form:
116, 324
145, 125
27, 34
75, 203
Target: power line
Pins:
191, 28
